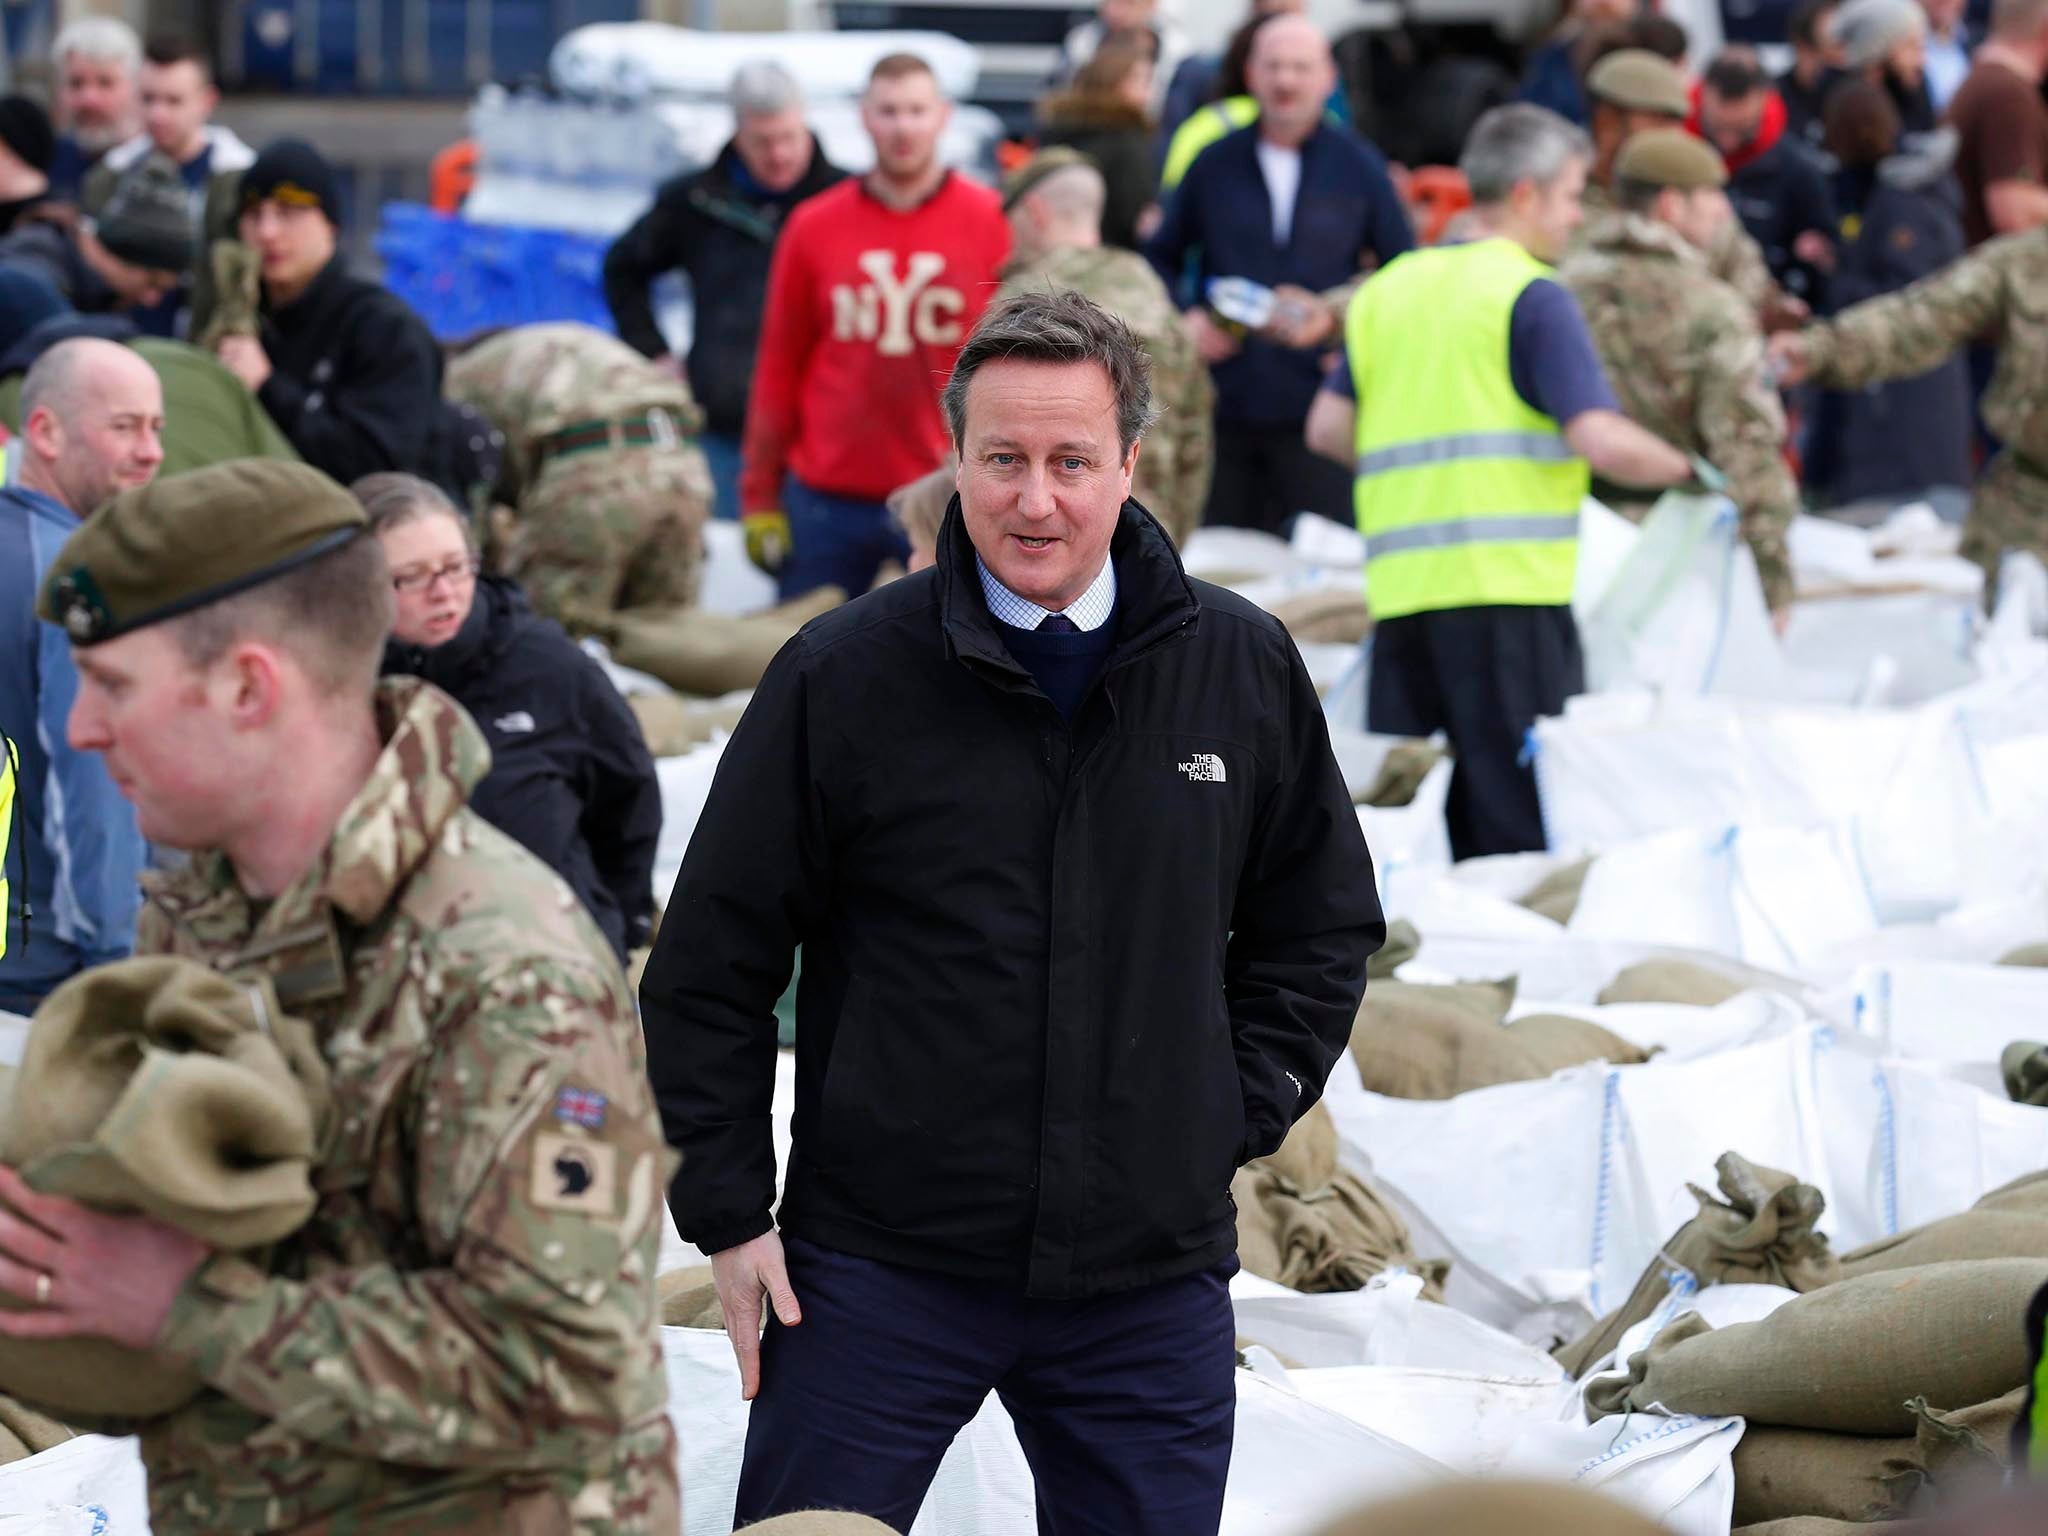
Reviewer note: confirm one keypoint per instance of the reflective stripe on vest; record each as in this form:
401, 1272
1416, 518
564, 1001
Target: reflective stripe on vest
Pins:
1466, 494
2037, 1424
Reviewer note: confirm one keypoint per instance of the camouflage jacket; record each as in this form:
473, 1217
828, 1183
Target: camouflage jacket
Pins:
1735, 257
1999, 290
1173, 467
536, 380
464, 1337
1686, 360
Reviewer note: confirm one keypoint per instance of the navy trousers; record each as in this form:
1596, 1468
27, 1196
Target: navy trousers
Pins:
1124, 1404
835, 541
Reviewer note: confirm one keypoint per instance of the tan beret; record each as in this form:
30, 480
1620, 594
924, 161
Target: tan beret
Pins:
1046, 163
1670, 157
158, 550
1638, 80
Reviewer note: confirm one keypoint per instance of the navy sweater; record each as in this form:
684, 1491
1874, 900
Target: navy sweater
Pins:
1064, 663
1219, 223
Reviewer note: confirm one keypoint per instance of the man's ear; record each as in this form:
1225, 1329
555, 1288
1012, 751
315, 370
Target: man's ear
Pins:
256, 681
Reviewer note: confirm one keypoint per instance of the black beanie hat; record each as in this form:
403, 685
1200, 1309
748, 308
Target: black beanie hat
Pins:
148, 220
25, 129
294, 173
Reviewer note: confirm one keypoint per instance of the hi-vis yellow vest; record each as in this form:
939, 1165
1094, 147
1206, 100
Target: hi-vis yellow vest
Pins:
6, 829
1465, 493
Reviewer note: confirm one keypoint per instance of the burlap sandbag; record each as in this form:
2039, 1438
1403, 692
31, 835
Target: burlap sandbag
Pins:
1403, 943
710, 654
1495, 1508
25, 1433
2026, 954
1671, 981
1760, 1233
673, 724
1335, 1238
1967, 1235
158, 1086
1325, 616
1847, 1357
1434, 1042
1556, 895
2024, 1066
2027, 1194
689, 1299
821, 1522
1557, 1041
1401, 774
1806, 1525
1782, 1473
1307, 1159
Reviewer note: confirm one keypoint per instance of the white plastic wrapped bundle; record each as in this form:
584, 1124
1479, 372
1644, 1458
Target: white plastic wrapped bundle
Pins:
648, 58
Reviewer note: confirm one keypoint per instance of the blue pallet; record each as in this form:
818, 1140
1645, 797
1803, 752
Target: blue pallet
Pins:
463, 278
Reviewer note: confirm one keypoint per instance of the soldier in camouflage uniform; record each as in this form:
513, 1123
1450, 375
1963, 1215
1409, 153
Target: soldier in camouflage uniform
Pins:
463, 1338
1682, 350
609, 490
1999, 289
1055, 205
1632, 90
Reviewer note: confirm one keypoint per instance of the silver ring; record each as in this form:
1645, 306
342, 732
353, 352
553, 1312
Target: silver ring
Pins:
43, 1288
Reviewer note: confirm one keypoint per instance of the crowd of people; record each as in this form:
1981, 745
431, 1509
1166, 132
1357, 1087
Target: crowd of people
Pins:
253, 509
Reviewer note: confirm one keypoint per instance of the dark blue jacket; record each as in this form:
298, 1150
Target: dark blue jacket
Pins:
1219, 223
78, 836
1552, 80
1894, 440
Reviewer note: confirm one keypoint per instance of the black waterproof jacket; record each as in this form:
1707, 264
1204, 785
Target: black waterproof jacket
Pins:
719, 228
356, 380
571, 778
1059, 980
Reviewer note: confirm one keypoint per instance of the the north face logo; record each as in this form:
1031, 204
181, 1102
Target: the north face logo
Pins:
1204, 768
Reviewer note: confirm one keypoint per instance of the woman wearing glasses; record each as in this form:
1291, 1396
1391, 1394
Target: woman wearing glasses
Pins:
570, 775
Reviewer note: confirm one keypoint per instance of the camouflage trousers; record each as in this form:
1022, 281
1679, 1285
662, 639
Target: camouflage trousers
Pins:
2008, 510
610, 529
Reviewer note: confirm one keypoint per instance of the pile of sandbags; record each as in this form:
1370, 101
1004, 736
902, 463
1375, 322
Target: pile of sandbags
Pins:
709, 654
1324, 616
1307, 1224
689, 1299
1556, 895
1761, 1233
1861, 1396
1414, 1041
1673, 981
1400, 774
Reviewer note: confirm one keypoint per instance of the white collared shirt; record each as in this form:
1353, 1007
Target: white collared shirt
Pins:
1091, 610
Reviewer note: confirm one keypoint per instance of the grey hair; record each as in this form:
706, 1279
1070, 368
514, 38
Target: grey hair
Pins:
1062, 327
391, 499
1519, 142
99, 37
761, 87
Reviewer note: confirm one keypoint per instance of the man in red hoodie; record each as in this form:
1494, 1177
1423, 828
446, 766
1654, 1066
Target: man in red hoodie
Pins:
876, 283
1777, 185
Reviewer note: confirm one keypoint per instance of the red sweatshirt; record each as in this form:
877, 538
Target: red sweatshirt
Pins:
867, 307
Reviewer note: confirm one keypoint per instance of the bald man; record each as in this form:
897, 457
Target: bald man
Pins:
92, 423
1302, 207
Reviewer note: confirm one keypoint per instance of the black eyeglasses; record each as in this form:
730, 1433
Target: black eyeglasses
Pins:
456, 573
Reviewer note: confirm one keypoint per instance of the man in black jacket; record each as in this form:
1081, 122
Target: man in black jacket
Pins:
719, 227
1085, 914
1775, 182
344, 367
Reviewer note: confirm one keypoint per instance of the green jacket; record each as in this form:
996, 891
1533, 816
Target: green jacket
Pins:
208, 415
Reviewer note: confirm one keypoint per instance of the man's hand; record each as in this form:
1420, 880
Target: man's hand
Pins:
1781, 620
1300, 318
743, 1275
1791, 361
767, 535
1785, 312
1212, 341
244, 357
1815, 249
669, 364
80, 1272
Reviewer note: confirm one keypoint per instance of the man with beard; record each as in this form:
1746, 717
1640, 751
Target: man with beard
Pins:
92, 419
875, 285
97, 61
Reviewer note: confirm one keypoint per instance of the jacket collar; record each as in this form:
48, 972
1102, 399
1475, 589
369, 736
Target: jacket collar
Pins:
1635, 234
1155, 601
433, 757
314, 299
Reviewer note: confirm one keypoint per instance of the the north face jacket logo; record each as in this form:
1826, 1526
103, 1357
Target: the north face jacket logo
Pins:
1204, 768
